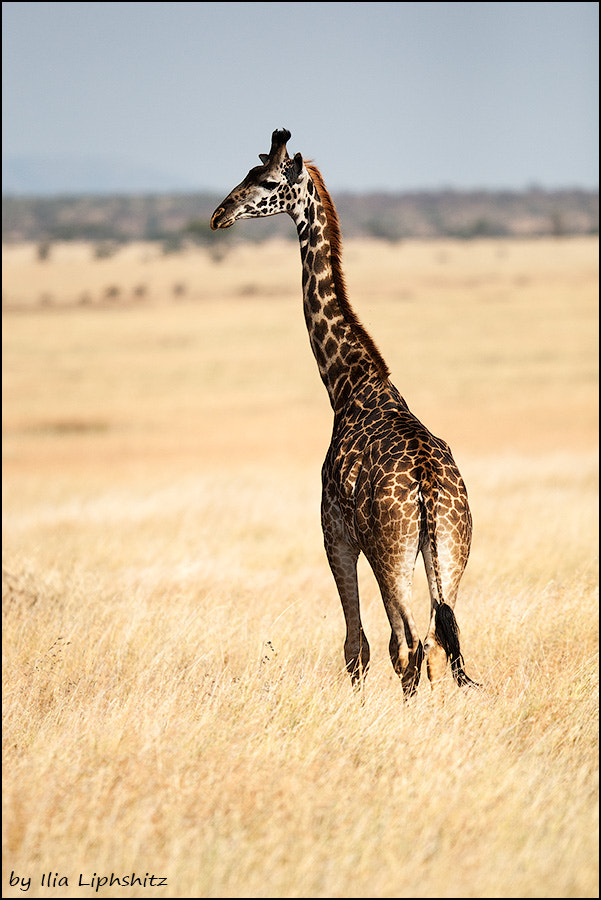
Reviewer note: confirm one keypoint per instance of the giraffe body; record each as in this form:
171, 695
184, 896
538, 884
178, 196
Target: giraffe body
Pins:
391, 489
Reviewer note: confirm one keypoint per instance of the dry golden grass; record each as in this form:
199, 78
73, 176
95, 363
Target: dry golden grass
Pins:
175, 702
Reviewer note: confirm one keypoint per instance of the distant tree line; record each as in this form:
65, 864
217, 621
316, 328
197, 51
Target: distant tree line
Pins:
176, 220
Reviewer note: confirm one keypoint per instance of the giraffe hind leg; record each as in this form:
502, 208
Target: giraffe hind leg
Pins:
394, 574
407, 663
405, 647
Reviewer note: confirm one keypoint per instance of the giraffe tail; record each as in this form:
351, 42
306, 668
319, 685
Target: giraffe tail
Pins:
445, 623
447, 635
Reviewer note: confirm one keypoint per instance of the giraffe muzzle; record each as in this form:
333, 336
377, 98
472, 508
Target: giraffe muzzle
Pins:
219, 219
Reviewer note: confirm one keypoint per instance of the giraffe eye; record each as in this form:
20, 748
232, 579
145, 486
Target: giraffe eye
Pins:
270, 185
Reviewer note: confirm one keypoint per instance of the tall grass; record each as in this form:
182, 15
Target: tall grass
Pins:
174, 695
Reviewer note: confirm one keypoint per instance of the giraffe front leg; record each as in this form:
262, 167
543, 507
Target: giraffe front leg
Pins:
343, 556
356, 656
343, 563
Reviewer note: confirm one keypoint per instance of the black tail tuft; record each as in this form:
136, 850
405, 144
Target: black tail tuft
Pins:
447, 635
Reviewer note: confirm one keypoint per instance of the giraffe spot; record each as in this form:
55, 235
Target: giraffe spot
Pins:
371, 418
354, 358
453, 517
330, 310
320, 329
336, 369
319, 263
325, 289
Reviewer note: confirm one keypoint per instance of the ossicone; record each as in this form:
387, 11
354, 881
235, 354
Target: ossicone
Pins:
279, 138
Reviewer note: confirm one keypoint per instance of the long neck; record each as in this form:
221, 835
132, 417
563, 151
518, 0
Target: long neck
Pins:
344, 351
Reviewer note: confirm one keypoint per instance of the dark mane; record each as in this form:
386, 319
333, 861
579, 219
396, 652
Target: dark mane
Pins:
339, 283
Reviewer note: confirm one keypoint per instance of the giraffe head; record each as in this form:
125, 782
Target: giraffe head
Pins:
267, 189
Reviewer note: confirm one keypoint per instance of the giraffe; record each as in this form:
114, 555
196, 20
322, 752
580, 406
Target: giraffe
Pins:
390, 488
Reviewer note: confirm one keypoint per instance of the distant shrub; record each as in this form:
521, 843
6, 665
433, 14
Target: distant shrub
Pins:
173, 243
479, 228
558, 228
43, 251
199, 230
105, 249
218, 252
384, 229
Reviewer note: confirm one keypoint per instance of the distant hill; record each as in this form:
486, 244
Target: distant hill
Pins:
46, 176
175, 218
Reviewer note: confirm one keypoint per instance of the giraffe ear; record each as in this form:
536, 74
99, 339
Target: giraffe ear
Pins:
264, 157
294, 169
297, 166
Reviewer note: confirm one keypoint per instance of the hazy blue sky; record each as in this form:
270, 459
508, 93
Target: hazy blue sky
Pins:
381, 95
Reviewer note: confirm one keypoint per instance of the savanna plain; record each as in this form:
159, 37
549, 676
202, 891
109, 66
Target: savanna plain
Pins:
175, 700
